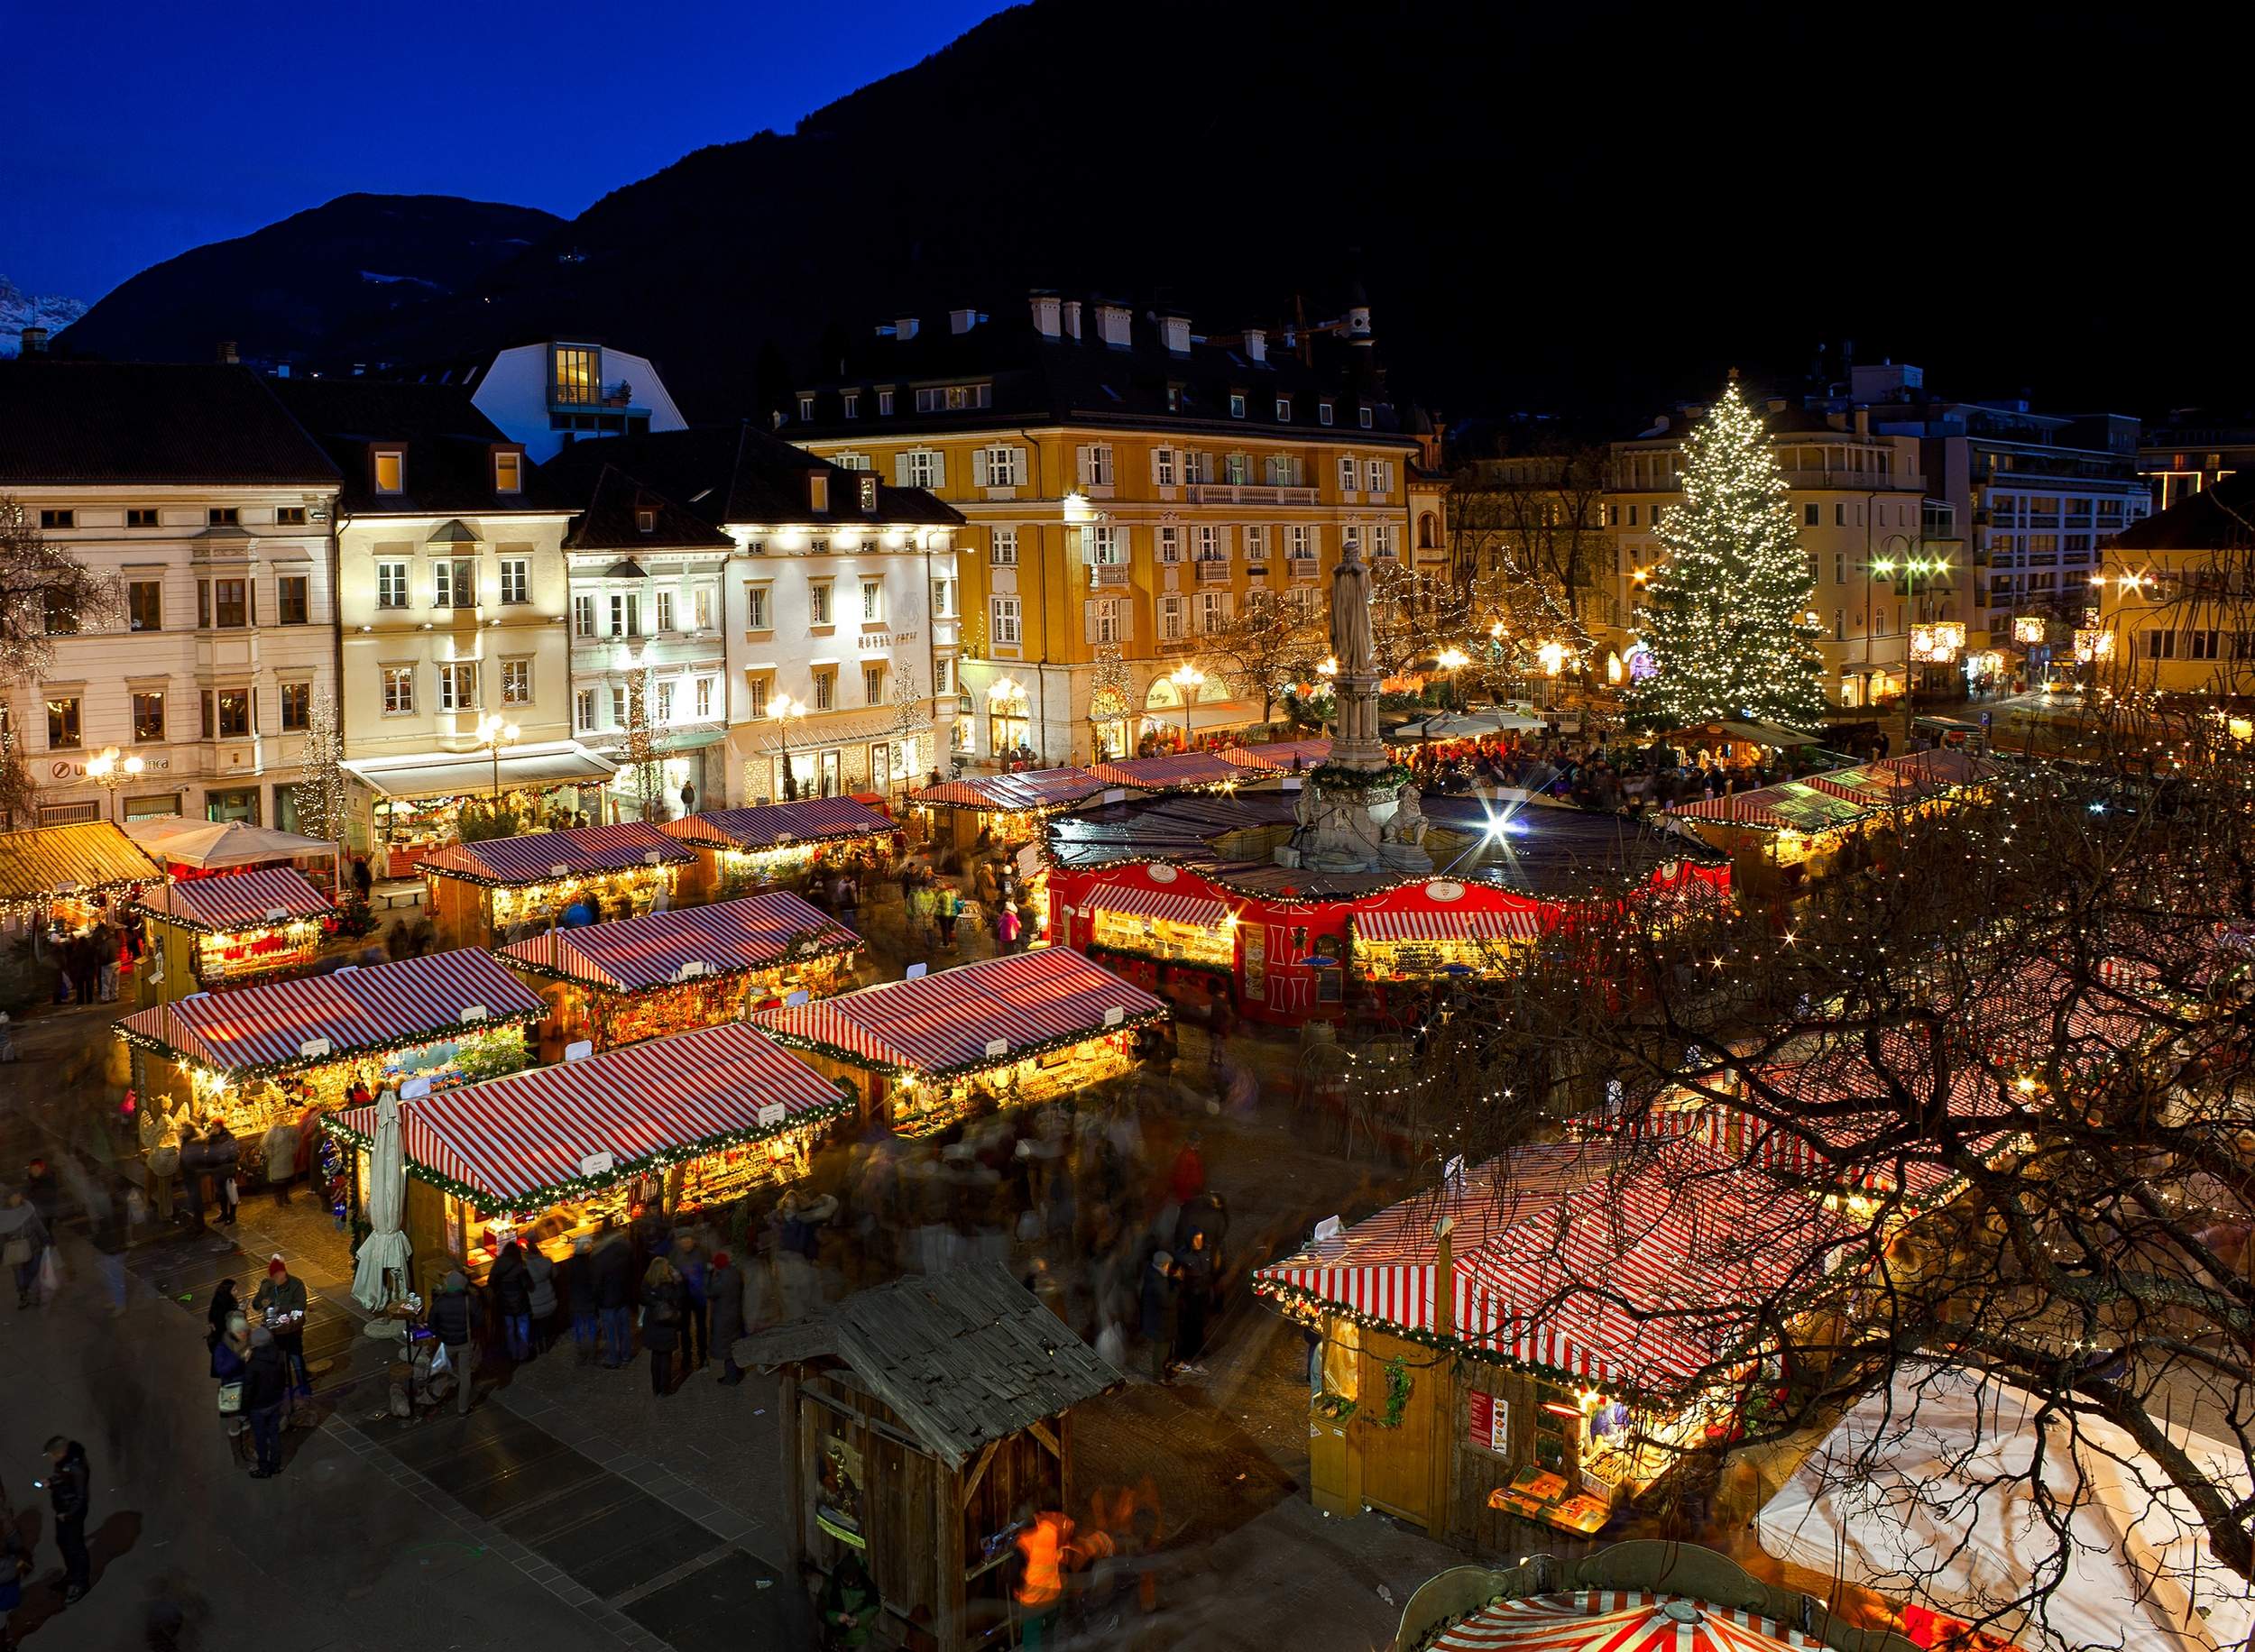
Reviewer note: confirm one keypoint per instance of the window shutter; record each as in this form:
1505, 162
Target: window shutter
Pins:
1156, 453
939, 470
1016, 477
1128, 620
981, 475
1227, 537
1084, 461
1087, 622
901, 470
1315, 540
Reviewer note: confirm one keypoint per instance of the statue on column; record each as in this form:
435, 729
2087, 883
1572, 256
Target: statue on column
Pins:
1350, 612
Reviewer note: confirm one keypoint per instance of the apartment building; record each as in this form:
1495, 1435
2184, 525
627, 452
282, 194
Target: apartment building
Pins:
2194, 448
1126, 484
451, 606
793, 613
2176, 599
546, 396
195, 490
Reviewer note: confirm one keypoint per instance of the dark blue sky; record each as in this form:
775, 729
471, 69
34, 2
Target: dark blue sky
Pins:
145, 127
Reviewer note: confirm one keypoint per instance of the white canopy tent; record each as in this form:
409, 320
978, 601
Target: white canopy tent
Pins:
210, 845
385, 1250
1468, 725
1923, 1495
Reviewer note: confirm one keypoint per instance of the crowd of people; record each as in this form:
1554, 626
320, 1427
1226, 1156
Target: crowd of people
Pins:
90, 957
1612, 778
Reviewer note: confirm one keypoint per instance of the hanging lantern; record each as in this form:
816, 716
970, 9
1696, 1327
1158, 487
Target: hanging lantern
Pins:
2029, 629
1922, 642
1949, 637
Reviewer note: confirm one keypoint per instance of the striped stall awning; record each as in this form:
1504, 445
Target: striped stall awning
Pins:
526, 1140
665, 949
1029, 789
972, 1017
1278, 756
544, 857
1617, 1621
772, 825
1789, 806
275, 1023
1126, 900
238, 901
69, 859
1178, 770
1439, 924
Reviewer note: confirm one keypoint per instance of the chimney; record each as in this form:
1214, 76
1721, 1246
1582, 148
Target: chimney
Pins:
1112, 324
961, 320
1863, 421
1256, 343
1072, 318
226, 352
35, 341
1046, 318
905, 328
1175, 330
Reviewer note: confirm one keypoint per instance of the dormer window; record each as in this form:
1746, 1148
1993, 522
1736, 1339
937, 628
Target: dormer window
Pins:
806, 409
818, 492
852, 404
884, 404
1237, 404
509, 471
391, 470
1362, 417
1283, 409
646, 521
1322, 412
869, 493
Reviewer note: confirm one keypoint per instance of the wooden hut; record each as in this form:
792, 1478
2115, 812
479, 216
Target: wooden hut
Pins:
53, 874
486, 892
918, 1419
741, 850
231, 930
1000, 809
671, 971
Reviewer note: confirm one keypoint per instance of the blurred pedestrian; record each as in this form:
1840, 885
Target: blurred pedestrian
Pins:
661, 1322
452, 1323
230, 1358
70, 1492
540, 1277
695, 1321
265, 1391
725, 1293
23, 1243
1156, 1317
579, 1290
220, 1156
613, 1269
512, 1291
224, 1305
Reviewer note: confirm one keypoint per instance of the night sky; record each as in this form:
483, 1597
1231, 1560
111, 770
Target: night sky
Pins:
143, 128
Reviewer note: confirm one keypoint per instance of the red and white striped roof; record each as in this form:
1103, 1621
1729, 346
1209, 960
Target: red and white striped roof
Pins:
945, 1023
1278, 755
1127, 900
771, 825
652, 951
1446, 924
535, 857
238, 901
1616, 1621
383, 1007
1181, 768
518, 1140
1037, 788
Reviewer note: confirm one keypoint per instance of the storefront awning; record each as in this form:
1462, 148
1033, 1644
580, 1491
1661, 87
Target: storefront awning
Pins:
1280, 756
667, 949
1514, 924
768, 826
462, 774
238, 901
1198, 910
1038, 788
70, 859
215, 845
283, 1025
545, 857
1176, 770
1789, 806
524, 1141
970, 1017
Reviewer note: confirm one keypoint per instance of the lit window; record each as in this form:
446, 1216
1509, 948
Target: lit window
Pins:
756, 695
1005, 617
872, 601
296, 707
873, 685
583, 711
398, 690
516, 682
818, 603
292, 599
459, 686
825, 689
509, 471
391, 470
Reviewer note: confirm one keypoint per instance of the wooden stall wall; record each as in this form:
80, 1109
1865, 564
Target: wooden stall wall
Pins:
461, 911
903, 1494
1404, 1467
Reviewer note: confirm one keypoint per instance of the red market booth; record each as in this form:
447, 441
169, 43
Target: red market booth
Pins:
741, 850
666, 972
688, 1123
1005, 1033
209, 933
506, 888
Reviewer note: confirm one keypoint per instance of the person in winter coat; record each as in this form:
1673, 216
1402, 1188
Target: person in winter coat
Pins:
220, 1153
224, 1305
281, 1302
615, 1298
1194, 1271
696, 1317
70, 1490
265, 1391
540, 1275
662, 1309
511, 1289
44, 1191
579, 1290
1188, 1179
452, 1323
230, 1358
22, 1242
724, 1294
1156, 1301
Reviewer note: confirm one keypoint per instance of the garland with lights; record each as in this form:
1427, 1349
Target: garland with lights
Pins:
1394, 775
300, 1063
896, 1069
1397, 1393
848, 943
572, 1188
576, 874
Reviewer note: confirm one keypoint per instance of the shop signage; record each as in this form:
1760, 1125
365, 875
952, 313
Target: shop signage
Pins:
1160, 874
771, 1114
473, 1012
1444, 889
314, 1049
595, 1164
579, 1051
1489, 1429
887, 639
916, 972
560, 870
1114, 1015
797, 998
1330, 1227
999, 1047
691, 970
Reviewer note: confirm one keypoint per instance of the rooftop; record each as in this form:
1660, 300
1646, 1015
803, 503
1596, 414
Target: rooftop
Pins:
739, 474
450, 447
65, 422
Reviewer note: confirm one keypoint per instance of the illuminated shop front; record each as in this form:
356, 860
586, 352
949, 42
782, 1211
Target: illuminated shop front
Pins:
413, 806
504, 889
208, 934
1001, 808
666, 972
680, 1125
64, 876
1801, 827
1005, 1033
742, 850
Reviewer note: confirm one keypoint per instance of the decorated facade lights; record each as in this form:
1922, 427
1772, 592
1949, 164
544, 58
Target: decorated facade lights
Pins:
1188, 680
783, 709
496, 733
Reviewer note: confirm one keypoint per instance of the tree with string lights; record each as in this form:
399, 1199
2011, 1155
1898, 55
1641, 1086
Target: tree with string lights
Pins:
320, 791
1725, 615
637, 751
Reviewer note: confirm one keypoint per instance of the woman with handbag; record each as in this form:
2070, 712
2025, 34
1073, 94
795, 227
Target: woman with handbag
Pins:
662, 1297
230, 1360
23, 1243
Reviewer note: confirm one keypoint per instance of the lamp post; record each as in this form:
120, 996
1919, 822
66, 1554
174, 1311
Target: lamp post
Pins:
109, 771
494, 732
1912, 566
784, 709
1189, 680
1452, 660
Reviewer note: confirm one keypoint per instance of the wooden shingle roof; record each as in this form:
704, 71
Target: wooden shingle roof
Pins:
962, 1357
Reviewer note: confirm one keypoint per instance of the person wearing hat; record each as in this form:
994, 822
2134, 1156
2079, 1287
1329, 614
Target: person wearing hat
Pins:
1157, 1302
265, 1391
282, 1305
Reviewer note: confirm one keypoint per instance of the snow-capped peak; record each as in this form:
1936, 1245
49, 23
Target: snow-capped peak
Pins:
20, 309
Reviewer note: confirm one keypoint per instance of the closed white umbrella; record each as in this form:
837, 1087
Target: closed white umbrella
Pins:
385, 1248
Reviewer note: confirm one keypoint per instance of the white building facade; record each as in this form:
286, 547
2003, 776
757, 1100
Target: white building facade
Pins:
545, 397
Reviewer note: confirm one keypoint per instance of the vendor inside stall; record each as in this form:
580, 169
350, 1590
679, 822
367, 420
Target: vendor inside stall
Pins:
1161, 925
683, 1123
665, 972
507, 890
265, 1054
228, 931
1406, 942
780, 845
1005, 1033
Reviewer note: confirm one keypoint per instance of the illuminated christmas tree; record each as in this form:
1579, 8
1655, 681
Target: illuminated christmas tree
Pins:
321, 793
1725, 615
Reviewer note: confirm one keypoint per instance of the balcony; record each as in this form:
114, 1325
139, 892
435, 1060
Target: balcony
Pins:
1857, 481
587, 397
1107, 574
1214, 570
1246, 493
1304, 567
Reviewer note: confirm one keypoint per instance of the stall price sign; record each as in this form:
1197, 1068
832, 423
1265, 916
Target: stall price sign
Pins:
1417, 960
1490, 1423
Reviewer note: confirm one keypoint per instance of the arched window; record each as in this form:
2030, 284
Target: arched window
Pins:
1427, 528
1163, 696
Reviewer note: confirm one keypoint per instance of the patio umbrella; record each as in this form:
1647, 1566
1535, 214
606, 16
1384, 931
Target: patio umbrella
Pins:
385, 1248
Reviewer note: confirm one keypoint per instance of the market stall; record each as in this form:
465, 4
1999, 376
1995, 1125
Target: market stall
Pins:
1777, 833
263, 1054
66, 876
406, 808
208, 933
208, 848
1005, 1033
1279, 756
666, 972
505, 889
919, 1418
688, 1123
1000, 809
1735, 740
1181, 771
1914, 780
1569, 1281
741, 850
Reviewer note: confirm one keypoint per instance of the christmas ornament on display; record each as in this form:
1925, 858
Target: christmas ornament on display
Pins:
1725, 616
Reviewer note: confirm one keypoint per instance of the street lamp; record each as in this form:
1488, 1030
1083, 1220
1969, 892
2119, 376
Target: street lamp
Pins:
109, 771
1189, 679
1913, 567
494, 732
1452, 659
783, 709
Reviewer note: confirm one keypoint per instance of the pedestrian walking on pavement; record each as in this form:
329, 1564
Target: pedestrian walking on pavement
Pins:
220, 1155
230, 1359
265, 1393
696, 1317
70, 1492
281, 1304
662, 1307
512, 1288
451, 1323
1157, 1320
724, 1294
540, 1276
615, 1298
23, 1243
579, 1290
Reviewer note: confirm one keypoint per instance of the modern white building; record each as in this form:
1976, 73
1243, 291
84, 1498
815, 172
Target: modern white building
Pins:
197, 493
546, 396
